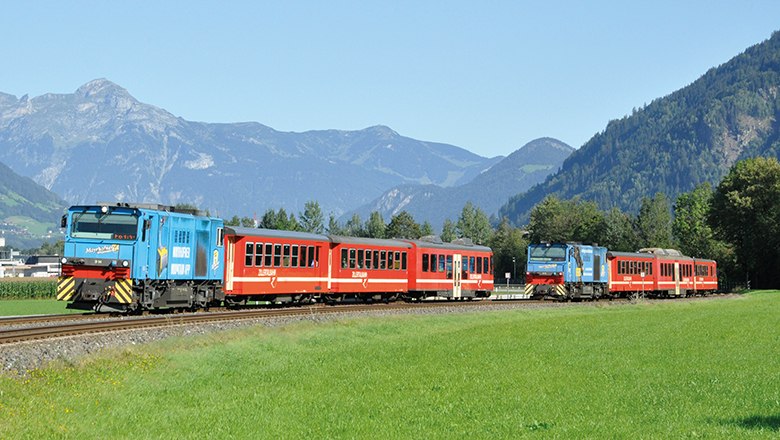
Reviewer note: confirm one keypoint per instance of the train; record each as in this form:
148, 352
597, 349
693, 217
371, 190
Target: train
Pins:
577, 271
126, 258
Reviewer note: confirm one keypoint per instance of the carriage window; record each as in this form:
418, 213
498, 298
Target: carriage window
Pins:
344, 259
268, 255
397, 264
304, 261
277, 255
314, 256
249, 257
403, 260
259, 254
390, 261
368, 259
479, 264
286, 259
449, 267
486, 263
351, 258
472, 264
442, 263
433, 262
425, 260
295, 255
376, 259
383, 260
360, 254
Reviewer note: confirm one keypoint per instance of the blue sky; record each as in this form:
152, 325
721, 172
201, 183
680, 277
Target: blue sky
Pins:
486, 76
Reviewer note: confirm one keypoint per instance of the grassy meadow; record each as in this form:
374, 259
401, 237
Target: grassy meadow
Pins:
700, 369
12, 307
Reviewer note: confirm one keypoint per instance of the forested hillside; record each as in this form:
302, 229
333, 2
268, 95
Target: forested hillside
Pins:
676, 142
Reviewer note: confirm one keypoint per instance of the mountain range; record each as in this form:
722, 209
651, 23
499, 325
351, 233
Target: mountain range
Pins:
516, 173
676, 142
100, 143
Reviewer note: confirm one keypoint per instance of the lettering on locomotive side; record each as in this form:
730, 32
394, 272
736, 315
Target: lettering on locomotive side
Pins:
180, 269
475, 276
359, 274
181, 252
266, 272
107, 249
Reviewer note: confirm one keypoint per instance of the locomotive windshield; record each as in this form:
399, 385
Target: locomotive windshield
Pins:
548, 253
104, 226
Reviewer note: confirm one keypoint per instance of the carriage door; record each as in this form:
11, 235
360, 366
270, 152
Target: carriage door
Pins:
457, 271
231, 255
677, 279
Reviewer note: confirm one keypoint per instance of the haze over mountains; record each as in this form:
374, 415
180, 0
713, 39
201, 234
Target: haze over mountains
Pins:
516, 173
100, 143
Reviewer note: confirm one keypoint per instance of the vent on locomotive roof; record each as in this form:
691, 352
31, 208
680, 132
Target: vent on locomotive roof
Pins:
431, 239
463, 241
661, 251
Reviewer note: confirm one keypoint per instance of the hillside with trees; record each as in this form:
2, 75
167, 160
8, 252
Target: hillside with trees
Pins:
676, 142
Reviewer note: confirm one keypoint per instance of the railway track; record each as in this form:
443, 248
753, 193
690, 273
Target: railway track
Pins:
107, 323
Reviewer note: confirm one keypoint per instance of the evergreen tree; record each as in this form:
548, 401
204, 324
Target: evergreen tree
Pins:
474, 224
426, 229
617, 232
312, 219
375, 225
654, 223
509, 251
234, 221
333, 226
448, 231
402, 225
354, 227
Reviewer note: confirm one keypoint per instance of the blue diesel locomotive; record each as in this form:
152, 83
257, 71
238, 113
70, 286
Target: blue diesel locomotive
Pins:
127, 257
567, 271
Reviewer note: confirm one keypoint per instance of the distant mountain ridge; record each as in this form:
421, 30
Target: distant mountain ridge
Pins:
519, 171
100, 143
691, 136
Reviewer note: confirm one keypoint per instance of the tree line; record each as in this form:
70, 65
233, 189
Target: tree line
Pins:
737, 224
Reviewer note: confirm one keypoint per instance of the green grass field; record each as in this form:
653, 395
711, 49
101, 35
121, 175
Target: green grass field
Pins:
11, 307
703, 369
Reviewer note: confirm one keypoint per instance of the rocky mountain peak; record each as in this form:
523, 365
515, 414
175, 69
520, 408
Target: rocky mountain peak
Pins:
101, 88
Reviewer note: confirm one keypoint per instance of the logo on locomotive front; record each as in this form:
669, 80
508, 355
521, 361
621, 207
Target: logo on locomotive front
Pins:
215, 260
107, 249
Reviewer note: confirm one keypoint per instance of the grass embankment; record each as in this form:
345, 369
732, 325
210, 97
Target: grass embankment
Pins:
661, 370
14, 307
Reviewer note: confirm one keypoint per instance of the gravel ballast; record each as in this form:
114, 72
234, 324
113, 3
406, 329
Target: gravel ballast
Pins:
18, 359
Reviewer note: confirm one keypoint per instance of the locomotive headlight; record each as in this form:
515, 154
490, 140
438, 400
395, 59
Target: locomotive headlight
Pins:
104, 209
125, 263
63, 260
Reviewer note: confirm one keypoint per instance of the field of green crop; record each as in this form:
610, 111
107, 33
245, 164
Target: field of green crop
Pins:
27, 288
676, 369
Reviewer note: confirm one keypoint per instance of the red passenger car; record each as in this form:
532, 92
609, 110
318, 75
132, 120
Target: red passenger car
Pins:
367, 269
660, 273
273, 265
450, 270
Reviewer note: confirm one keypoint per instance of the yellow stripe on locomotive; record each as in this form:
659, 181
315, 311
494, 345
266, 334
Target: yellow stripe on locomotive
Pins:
123, 291
66, 287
